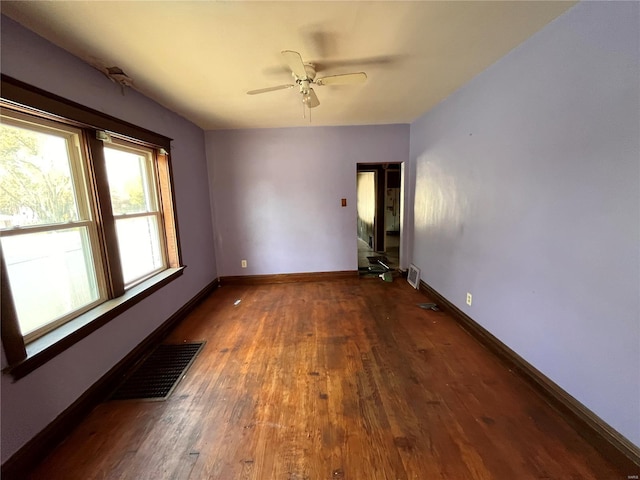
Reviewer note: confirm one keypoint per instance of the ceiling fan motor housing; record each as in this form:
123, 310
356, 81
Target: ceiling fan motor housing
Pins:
310, 68
304, 83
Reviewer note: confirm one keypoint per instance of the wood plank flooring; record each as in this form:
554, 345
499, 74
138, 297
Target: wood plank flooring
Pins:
345, 379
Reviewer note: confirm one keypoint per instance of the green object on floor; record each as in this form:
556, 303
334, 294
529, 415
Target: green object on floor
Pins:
386, 276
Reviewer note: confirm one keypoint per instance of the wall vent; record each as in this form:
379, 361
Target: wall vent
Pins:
413, 276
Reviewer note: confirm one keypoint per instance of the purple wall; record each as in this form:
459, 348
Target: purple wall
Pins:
276, 194
523, 190
527, 195
33, 402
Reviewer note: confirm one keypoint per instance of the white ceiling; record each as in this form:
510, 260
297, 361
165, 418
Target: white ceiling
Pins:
199, 58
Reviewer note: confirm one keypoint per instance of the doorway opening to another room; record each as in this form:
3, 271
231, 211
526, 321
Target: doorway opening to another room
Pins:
378, 220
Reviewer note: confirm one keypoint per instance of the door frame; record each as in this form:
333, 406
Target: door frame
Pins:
379, 170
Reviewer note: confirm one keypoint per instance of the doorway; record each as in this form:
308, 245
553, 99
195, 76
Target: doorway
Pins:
378, 214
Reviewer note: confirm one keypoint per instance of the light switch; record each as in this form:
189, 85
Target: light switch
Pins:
344, 202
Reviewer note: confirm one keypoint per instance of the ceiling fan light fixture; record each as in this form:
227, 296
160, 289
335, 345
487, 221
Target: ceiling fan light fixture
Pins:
304, 75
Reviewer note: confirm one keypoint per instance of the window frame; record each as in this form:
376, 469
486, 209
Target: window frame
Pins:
17, 96
152, 180
84, 199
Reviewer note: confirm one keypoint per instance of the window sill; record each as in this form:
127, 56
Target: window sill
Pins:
43, 349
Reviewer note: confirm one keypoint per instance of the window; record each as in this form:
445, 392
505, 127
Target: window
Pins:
49, 235
86, 220
136, 210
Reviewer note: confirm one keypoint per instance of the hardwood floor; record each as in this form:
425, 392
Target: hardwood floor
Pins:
344, 379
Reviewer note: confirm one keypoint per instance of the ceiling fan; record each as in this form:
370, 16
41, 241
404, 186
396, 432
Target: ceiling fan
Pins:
304, 75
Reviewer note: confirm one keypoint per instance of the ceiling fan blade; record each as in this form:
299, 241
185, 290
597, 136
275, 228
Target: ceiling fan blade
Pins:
268, 89
294, 60
312, 99
344, 79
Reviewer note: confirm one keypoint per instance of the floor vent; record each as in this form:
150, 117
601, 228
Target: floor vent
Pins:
157, 376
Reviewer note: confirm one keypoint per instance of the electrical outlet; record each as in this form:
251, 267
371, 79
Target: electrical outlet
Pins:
243, 264
469, 299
